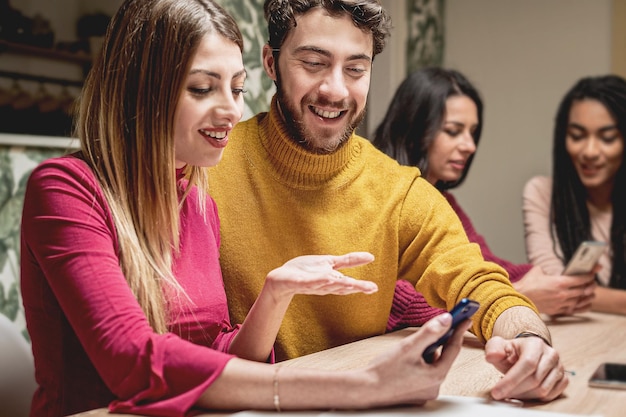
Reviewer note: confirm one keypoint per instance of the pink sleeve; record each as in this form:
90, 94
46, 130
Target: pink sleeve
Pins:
409, 308
69, 239
515, 271
540, 248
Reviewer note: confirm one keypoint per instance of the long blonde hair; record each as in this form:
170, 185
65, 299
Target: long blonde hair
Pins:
125, 126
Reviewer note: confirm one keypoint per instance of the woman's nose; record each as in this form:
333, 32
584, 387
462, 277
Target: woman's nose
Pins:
467, 143
229, 109
591, 148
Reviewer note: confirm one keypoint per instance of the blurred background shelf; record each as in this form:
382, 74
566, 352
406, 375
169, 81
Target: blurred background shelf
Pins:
49, 53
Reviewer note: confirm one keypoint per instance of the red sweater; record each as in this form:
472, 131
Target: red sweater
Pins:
91, 341
409, 307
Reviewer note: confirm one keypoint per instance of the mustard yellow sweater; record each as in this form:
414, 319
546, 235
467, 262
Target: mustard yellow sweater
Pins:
276, 201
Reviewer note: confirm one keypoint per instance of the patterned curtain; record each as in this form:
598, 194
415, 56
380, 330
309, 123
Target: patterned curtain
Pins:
16, 163
249, 15
425, 41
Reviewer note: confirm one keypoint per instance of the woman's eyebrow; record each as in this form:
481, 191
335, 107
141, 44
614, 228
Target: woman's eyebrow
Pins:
215, 74
206, 72
602, 129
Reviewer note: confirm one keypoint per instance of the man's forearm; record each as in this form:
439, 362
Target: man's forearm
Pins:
523, 321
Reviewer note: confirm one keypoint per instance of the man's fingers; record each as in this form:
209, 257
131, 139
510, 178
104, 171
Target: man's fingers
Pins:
532, 376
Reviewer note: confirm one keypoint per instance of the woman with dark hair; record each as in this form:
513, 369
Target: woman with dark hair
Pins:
586, 197
434, 122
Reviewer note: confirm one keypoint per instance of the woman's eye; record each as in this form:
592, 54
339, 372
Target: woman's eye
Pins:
609, 139
199, 91
576, 135
453, 133
239, 91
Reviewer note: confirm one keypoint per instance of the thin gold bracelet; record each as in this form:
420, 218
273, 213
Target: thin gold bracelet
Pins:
276, 396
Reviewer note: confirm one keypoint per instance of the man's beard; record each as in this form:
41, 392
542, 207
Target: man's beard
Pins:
298, 131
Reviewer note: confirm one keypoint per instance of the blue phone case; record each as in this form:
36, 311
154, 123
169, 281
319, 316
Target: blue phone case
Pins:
460, 312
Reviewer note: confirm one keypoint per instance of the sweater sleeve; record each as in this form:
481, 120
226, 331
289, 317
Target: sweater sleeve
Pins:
445, 266
540, 248
148, 373
515, 271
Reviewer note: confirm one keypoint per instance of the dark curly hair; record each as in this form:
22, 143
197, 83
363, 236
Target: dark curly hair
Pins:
367, 15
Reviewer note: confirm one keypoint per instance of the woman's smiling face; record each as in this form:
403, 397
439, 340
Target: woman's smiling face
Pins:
594, 143
211, 102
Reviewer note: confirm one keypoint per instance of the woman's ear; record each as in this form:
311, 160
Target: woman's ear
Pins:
269, 62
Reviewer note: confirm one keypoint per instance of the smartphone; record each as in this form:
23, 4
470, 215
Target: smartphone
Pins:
609, 375
585, 257
460, 312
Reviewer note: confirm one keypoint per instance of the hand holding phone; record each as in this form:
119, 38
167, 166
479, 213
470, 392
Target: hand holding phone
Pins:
585, 258
460, 312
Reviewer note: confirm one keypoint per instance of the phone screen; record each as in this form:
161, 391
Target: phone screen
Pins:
609, 375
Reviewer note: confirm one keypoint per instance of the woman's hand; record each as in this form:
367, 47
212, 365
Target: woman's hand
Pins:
310, 274
558, 295
401, 376
319, 275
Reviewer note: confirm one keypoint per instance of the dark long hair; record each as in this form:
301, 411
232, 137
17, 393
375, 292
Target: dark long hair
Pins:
416, 114
569, 197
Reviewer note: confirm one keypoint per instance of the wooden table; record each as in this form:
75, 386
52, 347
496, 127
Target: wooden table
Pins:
583, 341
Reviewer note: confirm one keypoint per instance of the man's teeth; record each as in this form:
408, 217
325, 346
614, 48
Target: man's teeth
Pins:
327, 114
215, 135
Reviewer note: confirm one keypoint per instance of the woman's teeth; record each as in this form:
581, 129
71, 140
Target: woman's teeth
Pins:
214, 135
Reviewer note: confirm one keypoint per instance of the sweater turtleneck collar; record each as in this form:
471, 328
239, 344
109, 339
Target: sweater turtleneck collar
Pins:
296, 165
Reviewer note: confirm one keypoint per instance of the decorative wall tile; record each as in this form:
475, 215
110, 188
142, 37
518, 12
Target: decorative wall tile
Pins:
16, 163
260, 88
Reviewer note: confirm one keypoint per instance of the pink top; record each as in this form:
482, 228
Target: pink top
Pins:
91, 341
540, 248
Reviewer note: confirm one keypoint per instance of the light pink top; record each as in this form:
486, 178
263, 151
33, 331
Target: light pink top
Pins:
540, 248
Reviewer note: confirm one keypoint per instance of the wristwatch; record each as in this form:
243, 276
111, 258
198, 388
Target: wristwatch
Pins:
533, 334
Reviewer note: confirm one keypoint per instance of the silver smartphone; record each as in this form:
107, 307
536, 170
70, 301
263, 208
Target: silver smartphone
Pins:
585, 257
609, 375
